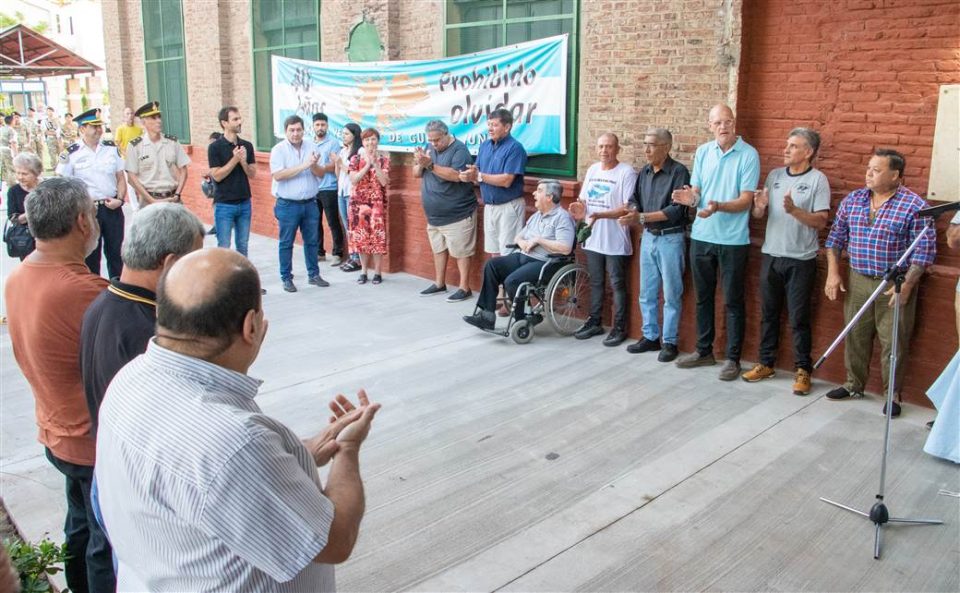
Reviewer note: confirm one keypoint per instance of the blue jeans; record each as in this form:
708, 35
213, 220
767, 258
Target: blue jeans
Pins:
90, 567
227, 217
292, 215
661, 264
343, 201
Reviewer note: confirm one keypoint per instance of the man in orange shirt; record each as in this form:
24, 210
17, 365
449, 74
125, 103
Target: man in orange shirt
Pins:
47, 296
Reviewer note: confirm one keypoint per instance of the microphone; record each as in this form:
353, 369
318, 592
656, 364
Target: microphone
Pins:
936, 211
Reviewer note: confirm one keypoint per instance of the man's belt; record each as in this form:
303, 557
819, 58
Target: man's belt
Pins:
162, 194
103, 201
297, 201
666, 231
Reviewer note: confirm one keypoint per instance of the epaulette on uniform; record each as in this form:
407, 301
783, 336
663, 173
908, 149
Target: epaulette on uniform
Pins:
136, 141
65, 155
108, 143
170, 137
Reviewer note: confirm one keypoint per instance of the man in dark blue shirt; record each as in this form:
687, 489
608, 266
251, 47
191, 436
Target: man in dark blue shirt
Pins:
501, 162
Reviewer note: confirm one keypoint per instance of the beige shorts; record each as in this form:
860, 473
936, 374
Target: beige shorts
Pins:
459, 238
501, 225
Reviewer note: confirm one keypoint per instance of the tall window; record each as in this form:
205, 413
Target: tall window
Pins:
289, 28
475, 25
165, 64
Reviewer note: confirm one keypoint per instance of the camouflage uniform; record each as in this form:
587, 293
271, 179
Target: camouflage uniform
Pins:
49, 127
7, 135
69, 132
24, 143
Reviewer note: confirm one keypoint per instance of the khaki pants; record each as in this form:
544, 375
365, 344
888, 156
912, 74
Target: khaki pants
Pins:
878, 320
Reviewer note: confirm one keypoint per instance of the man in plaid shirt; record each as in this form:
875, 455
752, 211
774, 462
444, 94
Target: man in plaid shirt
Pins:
875, 225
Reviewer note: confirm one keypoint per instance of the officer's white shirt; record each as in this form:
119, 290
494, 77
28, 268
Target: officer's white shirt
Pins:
96, 168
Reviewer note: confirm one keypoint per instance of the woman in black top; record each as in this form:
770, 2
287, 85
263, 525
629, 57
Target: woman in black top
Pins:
28, 168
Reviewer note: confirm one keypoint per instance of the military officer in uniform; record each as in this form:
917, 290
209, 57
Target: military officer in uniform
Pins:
99, 165
8, 148
50, 126
29, 124
68, 131
156, 163
23, 135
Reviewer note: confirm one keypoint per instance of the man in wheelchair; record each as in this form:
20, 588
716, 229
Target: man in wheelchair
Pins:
551, 230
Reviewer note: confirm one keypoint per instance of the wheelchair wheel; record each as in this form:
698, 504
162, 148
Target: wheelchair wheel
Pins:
521, 331
568, 299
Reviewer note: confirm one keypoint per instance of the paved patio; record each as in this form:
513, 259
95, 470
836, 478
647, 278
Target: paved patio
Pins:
562, 465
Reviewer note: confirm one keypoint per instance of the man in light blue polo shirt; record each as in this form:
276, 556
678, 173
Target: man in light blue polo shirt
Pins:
294, 169
725, 176
327, 148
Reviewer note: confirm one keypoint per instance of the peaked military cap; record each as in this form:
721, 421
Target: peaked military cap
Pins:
149, 110
91, 117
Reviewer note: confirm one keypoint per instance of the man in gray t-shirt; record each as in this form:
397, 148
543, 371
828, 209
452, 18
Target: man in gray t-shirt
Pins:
798, 199
450, 206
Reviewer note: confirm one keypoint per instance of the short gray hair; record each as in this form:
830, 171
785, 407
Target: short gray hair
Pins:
552, 188
29, 161
157, 231
811, 137
54, 206
437, 126
662, 134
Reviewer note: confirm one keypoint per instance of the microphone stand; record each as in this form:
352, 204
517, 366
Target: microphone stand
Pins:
879, 514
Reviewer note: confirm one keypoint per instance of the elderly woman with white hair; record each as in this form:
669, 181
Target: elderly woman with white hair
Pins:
27, 168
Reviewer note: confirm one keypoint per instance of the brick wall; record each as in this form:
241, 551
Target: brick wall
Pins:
866, 74
863, 72
123, 47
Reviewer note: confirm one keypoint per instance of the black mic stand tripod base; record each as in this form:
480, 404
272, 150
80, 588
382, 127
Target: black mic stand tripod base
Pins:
879, 514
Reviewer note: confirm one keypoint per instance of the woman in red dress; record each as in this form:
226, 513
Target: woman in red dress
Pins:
369, 173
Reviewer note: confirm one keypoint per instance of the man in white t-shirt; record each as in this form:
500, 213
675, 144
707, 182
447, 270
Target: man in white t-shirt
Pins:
606, 190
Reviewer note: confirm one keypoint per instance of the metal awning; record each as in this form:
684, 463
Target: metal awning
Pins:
24, 52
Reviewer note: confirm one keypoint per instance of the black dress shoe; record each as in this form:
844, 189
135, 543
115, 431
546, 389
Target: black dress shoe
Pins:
616, 337
481, 321
588, 330
841, 393
668, 353
645, 345
894, 410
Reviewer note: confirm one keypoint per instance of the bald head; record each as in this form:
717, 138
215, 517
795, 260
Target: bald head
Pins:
723, 124
206, 295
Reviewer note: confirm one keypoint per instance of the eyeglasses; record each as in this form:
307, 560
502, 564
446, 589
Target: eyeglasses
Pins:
653, 144
727, 123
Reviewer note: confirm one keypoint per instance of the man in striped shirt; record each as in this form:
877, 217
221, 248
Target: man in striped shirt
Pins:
199, 490
875, 225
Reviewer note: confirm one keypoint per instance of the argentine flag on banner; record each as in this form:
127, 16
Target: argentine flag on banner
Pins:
399, 98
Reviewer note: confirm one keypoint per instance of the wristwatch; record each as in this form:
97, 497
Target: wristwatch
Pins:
479, 176
643, 218
429, 167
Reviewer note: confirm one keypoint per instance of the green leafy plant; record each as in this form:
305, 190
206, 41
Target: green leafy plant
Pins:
34, 562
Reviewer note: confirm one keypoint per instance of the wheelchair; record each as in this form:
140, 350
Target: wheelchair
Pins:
561, 296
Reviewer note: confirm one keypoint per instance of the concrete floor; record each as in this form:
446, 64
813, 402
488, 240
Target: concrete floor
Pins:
562, 465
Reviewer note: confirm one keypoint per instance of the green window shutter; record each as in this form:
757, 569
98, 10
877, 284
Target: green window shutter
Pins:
165, 64
365, 45
289, 28
476, 25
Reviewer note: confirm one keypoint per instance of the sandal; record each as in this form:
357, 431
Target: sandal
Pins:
362, 279
377, 278
350, 266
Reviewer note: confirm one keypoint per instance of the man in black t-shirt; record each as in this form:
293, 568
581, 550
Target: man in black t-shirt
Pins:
231, 166
118, 324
